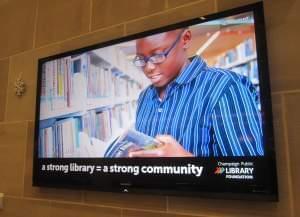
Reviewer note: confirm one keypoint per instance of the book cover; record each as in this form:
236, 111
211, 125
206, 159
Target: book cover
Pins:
130, 140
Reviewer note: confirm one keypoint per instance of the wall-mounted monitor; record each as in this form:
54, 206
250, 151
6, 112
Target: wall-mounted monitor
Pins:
180, 110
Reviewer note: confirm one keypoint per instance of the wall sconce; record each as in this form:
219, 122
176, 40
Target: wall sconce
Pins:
20, 86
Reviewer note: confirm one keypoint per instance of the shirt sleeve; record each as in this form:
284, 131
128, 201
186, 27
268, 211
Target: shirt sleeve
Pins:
236, 121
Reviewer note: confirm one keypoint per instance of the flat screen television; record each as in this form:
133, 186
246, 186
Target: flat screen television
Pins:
183, 109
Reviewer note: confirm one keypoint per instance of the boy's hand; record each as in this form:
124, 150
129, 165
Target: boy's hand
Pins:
169, 148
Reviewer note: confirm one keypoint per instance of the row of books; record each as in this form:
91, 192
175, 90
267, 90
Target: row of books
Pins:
61, 139
237, 54
71, 81
73, 136
104, 82
56, 83
97, 84
117, 58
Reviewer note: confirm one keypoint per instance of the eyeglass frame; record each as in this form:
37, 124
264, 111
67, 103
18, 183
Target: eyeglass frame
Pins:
164, 53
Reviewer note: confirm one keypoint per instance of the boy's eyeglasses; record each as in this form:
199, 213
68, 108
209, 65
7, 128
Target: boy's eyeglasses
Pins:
157, 58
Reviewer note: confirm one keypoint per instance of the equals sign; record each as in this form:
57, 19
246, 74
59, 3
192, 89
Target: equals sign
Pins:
98, 168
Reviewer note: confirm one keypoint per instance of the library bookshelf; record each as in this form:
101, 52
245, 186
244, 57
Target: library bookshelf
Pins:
86, 102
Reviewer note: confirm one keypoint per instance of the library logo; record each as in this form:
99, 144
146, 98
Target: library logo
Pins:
235, 172
219, 170
239, 173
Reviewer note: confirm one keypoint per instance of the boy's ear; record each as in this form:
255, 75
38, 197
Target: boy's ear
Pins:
186, 37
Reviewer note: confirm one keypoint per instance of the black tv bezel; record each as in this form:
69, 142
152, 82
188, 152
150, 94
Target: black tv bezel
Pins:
261, 46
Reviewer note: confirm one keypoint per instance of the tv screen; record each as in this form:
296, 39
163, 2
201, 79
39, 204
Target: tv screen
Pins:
180, 110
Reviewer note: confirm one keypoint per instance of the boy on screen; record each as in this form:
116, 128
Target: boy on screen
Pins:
192, 109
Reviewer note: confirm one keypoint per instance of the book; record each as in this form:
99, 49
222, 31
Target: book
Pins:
130, 140
67, 138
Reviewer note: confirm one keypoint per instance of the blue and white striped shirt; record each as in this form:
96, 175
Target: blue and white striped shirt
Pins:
209, 111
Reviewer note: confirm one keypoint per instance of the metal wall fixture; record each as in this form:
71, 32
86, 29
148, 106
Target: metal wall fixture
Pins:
20, 86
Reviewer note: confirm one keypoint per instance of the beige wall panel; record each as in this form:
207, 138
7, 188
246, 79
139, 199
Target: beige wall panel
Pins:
281, 149
59, 20
76, 210
16, 26
4, 67
283, 33
293, 128
20, 207
12, 149
140, 201
228, 4
23, 108
111, 12
93, 38
172, 16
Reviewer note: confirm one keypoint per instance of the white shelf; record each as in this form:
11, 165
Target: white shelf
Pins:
89, 104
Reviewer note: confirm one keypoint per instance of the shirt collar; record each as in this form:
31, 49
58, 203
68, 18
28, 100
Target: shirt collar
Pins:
190, 71
187, 74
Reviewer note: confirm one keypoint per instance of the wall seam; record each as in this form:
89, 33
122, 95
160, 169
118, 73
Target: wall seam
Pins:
63, 41
15, 121
286, 140
35, 24
167, 203
164, 12
4, 58
71, 203
78, 36
124, 29
5, 93
91, 15
7, 89
216, 6
82, 196
286, 91
134, 19
188, 4
172, 213
24, 162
